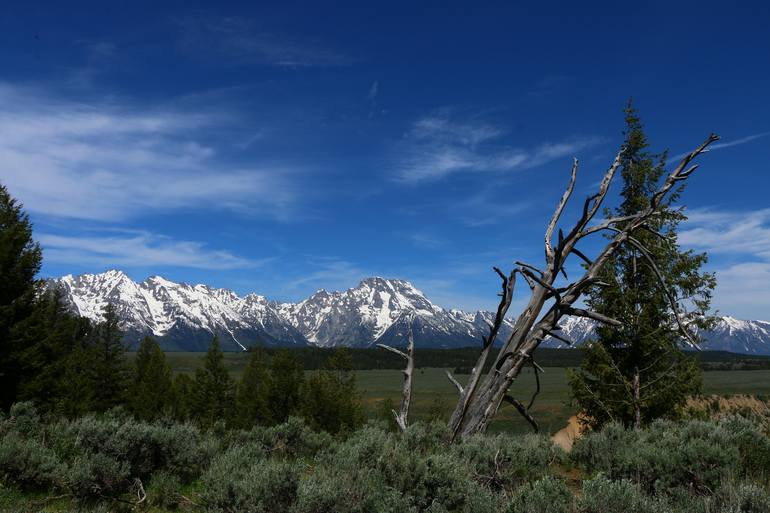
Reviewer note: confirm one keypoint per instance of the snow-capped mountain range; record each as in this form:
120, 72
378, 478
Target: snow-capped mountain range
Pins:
378, 310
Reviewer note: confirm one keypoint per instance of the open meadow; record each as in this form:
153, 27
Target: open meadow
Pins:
434, 396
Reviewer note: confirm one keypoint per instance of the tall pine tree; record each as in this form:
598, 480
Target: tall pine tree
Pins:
110, 369
151, 390
639, 372
213, 389
252, 404
49, 338
330, 400
286, 379
20, 259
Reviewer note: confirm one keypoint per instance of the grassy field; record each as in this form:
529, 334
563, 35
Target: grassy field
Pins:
434, 396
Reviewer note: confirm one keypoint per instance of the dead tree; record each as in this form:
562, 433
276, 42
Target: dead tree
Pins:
406, 394
549, 302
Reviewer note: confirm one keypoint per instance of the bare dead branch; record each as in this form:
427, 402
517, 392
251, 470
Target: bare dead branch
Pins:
582, 256
666, 290
531, 267
393, 350
535, 368
466, 394
454, 382
559, 338
549, 253
406, 393
523, 411
480, 401
579, 312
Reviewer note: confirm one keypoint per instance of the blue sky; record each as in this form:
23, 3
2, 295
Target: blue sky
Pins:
286, 147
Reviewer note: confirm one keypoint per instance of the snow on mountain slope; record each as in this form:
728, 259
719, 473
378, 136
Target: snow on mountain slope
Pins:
737, 336
362, 315
180, 314
378, 310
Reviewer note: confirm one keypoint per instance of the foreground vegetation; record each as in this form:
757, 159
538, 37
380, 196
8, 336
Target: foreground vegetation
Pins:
114, 462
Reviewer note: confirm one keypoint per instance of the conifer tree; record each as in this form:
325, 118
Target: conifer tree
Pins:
150, 394
20, 259
252, 404
182, 396
286, 379
110, 369
48, 339
330, 401
213, 390
638, 372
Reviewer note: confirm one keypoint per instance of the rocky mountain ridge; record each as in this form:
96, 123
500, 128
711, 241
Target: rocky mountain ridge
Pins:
378, 310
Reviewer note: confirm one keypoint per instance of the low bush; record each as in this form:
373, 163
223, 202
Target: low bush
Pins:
97, 475
546, 495
242, 480
145, 447
602, 495
696, 455
163, 490
292, 439
28, 463
505, 462
686, 467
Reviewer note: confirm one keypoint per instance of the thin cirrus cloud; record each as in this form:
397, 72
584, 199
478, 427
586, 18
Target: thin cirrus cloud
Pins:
113, 162
438, 146
728, 144
741, 240
240, 40
331, 273
142, 249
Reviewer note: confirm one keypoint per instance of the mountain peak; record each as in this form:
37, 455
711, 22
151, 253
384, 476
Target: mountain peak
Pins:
379, 310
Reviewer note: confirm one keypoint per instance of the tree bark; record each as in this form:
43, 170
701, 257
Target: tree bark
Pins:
636, 387
481, 398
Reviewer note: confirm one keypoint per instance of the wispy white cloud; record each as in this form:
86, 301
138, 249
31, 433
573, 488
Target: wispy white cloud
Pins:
241, 40
98, 57
140, 249
423, 239
742, 241
439, 145
728, 144
742, 290
373, 91
111, 161
485, 208
737, 142
330, 273
719, 232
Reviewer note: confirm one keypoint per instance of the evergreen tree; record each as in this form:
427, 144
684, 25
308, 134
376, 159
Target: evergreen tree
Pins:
638, 372
20, 259
110, 370
182, 397
286, 379
330, 401
78, 385
48, 339
151, 394
213, 389
252, 404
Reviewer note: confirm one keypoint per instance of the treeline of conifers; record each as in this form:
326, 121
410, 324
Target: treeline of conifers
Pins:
71, 367
462, 359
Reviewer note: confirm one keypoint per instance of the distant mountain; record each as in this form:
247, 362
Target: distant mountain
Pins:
378, 310
181, 316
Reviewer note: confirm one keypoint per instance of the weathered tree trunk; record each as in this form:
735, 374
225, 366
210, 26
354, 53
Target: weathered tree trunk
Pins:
548, 302
406, 392
637, 390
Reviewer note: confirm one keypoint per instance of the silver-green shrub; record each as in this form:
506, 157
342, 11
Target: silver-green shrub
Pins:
546, 495
242, 479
